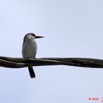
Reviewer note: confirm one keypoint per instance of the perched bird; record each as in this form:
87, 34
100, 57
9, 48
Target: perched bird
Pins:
29, 49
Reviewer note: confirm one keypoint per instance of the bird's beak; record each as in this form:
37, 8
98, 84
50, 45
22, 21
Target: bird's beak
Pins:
37, 37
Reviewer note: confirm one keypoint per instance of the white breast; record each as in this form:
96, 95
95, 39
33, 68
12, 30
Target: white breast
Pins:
29, 49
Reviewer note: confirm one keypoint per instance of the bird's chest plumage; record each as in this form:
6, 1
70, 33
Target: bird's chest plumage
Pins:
29, 49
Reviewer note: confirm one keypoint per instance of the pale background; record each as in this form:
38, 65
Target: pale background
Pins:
72, 28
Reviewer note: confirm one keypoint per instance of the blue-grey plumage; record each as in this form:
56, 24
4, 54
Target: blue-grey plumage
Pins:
29, 49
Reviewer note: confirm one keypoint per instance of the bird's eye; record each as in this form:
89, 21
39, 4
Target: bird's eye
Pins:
33, 34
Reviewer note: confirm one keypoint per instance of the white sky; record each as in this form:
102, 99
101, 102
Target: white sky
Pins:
72, 28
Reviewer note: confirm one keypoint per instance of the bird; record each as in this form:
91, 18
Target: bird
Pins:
29, 50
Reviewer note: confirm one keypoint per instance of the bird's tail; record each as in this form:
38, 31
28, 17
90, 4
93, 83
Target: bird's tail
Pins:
31, 72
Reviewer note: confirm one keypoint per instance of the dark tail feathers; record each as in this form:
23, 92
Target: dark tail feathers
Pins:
31, 72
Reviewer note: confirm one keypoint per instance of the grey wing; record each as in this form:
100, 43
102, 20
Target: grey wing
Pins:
29, 50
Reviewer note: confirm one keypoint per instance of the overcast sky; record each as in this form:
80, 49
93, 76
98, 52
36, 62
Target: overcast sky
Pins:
72, 28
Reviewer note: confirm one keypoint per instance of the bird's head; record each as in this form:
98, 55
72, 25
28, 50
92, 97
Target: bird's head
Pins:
32, 36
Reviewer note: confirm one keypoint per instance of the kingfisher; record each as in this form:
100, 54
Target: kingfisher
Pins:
29, 50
